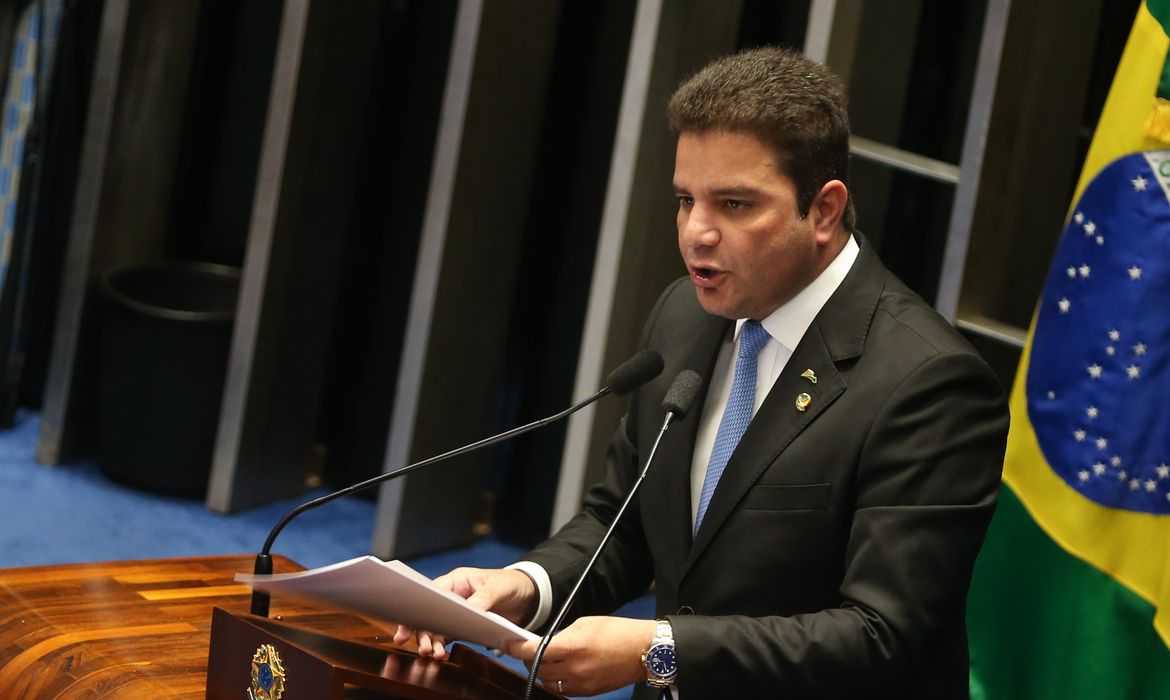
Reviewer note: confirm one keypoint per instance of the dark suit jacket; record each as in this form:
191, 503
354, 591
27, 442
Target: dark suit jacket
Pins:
835, 556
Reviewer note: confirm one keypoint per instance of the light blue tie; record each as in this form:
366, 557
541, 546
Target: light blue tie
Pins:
737, 415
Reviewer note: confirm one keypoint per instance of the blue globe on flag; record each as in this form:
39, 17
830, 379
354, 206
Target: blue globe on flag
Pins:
1098, 384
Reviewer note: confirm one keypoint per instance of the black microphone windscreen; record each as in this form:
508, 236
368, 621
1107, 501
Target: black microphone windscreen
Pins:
682, 393
635, 372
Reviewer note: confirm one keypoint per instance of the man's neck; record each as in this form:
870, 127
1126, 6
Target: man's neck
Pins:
788, 322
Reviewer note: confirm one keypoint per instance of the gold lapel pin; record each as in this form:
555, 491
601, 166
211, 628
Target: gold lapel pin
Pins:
803, 401
809, 375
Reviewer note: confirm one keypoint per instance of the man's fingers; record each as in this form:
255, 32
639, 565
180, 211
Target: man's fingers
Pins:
482, 599
424, 643
520, 649
402, 634
430, 644
438, 648
549, 674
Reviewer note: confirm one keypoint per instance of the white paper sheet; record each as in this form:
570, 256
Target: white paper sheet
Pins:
391, 592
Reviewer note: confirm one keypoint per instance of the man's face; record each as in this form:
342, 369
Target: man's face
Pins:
739, 229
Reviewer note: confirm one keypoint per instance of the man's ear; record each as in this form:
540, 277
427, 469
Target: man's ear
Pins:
827, 210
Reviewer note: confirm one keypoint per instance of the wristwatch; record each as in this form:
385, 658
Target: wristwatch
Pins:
660, 660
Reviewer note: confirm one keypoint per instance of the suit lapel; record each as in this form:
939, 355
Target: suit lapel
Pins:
773, 428
838, 333
673, 462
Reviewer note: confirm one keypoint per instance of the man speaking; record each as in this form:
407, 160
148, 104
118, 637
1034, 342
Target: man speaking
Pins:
811, 531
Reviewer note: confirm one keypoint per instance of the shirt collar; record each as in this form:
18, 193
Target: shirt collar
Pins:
788, 323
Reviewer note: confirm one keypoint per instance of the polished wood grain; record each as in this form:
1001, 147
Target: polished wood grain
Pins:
129, 630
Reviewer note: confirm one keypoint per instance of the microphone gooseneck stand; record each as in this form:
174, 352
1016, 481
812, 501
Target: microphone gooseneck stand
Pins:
676, 403
631, 374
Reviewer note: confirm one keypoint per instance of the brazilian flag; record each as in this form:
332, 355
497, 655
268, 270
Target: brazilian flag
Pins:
1071, 596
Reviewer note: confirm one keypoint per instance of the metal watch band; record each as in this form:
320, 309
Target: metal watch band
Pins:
665, 633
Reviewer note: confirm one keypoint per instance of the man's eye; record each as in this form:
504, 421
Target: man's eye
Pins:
685, 202
735, 204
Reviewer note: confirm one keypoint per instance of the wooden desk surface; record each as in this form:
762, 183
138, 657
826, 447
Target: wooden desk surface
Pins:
134, 629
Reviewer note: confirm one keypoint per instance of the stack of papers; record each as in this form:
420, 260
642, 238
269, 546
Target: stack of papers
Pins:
391, 592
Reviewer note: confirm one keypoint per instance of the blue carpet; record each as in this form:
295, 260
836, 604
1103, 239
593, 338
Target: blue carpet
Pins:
57, 515
74, 514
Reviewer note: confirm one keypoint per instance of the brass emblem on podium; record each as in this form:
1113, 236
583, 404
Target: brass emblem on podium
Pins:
267, 674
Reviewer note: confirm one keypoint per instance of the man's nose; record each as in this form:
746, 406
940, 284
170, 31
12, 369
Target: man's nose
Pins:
700, 228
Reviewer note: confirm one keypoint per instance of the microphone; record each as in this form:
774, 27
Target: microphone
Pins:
681, 395
676, 404
633, 373
629, 375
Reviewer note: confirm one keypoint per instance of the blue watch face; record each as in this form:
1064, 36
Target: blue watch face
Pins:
661, 661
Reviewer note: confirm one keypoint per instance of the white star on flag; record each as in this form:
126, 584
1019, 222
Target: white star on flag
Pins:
1150, 485
1100, 240
1135, 273
1084, 270
1139, 349
1133, 371
1098, 468
1072, 273
1134, 484
1079, 436
1115, 335
1091, 412
1164, 471
1095, 371
1090, 228
1051, 395
1078, 217
1102, 443
1064, 305
1122, 475
1110, 351
1139, 184
1115, 460
1083, 475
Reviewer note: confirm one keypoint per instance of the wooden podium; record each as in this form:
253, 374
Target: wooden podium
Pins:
143, 629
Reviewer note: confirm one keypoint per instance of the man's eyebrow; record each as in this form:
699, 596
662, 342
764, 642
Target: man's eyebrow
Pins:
726, 191
735, 191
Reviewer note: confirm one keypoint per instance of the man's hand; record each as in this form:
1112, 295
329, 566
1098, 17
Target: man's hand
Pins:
506, 592
592, 655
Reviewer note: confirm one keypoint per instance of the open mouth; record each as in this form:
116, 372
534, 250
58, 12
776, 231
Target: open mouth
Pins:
705, 276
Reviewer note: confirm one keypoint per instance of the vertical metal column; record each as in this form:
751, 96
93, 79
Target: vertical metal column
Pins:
304, 209
427, 266
75, 279
124, 188
603, 287
257, 259
971, 162
468, 270
820, 29
637, 252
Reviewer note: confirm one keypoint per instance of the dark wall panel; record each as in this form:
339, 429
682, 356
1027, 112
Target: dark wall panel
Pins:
374, 294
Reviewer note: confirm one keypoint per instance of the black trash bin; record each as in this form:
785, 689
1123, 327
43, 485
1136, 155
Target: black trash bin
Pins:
163, 347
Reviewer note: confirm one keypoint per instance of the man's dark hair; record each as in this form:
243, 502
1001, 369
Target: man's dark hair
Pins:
793, 104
